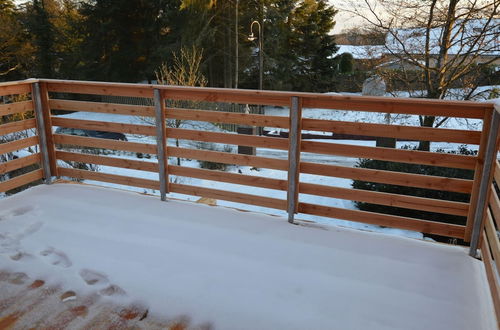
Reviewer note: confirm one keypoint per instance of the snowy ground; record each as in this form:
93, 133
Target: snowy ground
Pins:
270, 153
237, 270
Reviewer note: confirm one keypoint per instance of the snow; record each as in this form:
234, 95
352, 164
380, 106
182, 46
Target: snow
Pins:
238, 270
362, 52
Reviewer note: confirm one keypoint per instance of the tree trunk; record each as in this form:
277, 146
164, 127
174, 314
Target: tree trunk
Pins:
428, 121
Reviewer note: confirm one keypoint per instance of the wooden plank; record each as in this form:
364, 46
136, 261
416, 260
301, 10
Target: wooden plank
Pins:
19, 163
110, 178
47, 121
497, 172
466, 109
389, 177
394, 131
161, 142
17, 126
491, 275
241, 179
104, 143
411, 106
390, 154
424, 226
395, 200
18, 144
13, 89
104, 126
494, 202
113, 108
227, 138
273, 203
478, 173
108, 161
21, 180
494, 243
81, 87
228, 118
17, 107
294, 139
228, 158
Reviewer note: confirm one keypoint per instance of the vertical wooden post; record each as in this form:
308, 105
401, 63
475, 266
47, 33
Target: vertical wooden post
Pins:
294, 137
484, 188
44, 130
161, 142
478, 172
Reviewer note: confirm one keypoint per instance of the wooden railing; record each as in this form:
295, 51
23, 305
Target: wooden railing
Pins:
69, 95
27, 107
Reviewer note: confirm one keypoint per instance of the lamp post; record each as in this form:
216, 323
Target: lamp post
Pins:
252, 37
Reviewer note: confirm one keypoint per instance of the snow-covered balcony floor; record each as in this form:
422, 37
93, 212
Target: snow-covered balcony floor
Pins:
220, 268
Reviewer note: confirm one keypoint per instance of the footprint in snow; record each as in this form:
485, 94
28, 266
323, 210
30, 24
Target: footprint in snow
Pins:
16, 212
56, 257
92, 277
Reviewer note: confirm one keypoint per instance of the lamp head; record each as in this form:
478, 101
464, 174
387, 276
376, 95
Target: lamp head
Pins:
251, 37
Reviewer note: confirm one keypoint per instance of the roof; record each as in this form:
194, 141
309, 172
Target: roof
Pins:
221, 268
362, 52
412, 40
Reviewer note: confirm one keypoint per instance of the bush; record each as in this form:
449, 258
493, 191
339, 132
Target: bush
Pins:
412, 191
213, 165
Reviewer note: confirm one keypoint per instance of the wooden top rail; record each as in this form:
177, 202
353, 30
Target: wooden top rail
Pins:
464, 109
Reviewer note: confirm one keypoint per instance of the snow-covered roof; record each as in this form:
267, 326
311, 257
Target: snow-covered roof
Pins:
465, 38
362, 52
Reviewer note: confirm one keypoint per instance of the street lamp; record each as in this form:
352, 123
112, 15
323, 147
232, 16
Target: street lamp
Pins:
252, 37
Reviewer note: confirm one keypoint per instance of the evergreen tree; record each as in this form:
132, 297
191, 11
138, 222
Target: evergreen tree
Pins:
122, 38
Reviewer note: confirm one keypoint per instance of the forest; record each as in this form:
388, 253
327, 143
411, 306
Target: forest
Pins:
130, 40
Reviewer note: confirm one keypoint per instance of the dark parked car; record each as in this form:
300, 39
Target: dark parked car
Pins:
90, 133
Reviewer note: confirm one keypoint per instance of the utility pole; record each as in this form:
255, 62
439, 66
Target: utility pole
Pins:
236, 50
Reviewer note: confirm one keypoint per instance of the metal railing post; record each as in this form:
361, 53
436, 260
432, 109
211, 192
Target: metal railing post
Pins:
161, 138
482, 201
294, 137
42, 137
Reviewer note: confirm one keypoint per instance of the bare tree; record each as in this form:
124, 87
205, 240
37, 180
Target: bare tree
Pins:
437, 45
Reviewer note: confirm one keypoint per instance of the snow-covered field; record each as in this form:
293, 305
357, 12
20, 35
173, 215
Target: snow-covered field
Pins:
237, 270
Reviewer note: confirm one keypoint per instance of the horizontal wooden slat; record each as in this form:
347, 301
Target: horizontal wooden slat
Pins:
394, 131
18, 107
114, 108
492, 277
110, 178
395, 200
21, 180
22, 88
390, 154
19, 163
228, 118
497, 172
495, 205
104, 126
465, 109
491, 232
107, 161
236, 139
248, 180
444, 108
104, 143
424, 226
228, 158
18, 144
389, 177
80, 87
17, 126
228, 196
